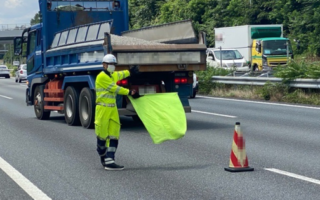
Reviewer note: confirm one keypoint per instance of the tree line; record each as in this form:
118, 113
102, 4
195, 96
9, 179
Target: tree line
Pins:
300, 18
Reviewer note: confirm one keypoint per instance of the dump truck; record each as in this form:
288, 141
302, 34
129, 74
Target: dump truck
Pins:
65, 51
262, 45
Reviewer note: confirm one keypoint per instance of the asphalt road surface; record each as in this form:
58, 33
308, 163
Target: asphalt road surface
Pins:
51, 160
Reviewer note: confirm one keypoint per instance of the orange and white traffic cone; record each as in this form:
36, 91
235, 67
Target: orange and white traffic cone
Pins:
238, 158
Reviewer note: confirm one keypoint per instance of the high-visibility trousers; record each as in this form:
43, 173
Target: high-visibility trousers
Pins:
107, 123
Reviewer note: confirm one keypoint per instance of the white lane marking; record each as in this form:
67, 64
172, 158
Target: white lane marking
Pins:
257, 102
216, 114
304, 178
22, 181
5, 97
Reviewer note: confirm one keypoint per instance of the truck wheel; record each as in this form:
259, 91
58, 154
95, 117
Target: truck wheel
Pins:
87, 108
71, 102
39, 104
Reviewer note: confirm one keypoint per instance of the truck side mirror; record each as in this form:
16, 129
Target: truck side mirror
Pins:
210, 57
17, 43
258, 47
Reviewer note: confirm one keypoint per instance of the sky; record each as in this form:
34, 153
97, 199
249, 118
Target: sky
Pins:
17, 11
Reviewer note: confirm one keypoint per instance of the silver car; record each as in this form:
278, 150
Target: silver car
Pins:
4, 71
21, 73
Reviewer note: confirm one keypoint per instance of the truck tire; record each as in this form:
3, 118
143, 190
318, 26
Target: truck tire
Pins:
71, 106
87, 108
39, 104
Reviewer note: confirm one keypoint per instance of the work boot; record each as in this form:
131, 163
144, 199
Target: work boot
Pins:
113, 167
109, 164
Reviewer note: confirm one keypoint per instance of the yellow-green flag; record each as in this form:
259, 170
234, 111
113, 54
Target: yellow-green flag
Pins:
162, 114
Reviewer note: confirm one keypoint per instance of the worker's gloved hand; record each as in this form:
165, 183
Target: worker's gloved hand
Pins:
134, 70
135, 94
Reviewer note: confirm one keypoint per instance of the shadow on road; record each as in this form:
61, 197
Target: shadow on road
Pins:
201, 125
128, 124
170, 168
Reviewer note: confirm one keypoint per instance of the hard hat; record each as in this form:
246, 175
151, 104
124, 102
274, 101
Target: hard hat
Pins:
109, 58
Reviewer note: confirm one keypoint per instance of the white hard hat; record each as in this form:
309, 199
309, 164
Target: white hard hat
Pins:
109, 58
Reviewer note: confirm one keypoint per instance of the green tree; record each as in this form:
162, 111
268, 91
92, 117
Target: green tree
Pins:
36, 19
143, 12
9, 57
174, 10
300, 18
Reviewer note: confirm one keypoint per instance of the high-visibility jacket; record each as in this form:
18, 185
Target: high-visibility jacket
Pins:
107, 123
107, 88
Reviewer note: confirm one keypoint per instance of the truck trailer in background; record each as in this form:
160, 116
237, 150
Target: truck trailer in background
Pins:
262, 45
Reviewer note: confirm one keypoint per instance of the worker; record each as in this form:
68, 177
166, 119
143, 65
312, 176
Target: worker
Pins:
107, 122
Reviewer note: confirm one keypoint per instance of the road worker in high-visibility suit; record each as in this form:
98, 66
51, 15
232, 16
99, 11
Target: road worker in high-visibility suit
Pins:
107, 122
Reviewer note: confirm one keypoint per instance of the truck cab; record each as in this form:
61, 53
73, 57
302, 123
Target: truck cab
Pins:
270, 52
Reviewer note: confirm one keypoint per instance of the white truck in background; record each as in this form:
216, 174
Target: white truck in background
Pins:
262, 45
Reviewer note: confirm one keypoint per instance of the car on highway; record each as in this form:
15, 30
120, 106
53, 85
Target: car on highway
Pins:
227, 59
21, 73
4, 71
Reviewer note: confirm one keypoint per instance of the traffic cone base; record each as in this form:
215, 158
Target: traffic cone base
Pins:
242, 169
238, 158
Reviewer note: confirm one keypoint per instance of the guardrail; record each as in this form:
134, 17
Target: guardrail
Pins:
298, 83
10, 27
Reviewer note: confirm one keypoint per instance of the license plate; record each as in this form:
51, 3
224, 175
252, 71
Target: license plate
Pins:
147, 90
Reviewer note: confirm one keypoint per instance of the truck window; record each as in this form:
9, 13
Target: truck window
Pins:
258, 46
104, 6
276, 47
228, 54
55, 40
39, 38
32, 38
105, 27
93, 32
72, 36
82, 5
63, 38
82, 34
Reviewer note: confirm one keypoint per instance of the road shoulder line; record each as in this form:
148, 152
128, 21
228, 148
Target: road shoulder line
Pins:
216, 114
32, 190
5, 97
304, 178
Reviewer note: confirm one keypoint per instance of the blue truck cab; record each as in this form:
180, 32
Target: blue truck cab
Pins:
64, 54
